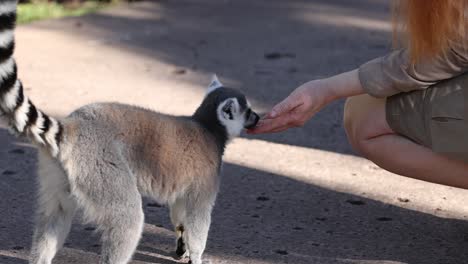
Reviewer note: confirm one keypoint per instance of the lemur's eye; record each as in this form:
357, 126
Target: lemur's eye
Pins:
227, 109
229, 113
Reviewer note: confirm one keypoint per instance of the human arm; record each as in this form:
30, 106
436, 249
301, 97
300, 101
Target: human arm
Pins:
307, 100
381, 77
395, 73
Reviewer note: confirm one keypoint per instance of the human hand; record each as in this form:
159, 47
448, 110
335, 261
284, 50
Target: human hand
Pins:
296, 109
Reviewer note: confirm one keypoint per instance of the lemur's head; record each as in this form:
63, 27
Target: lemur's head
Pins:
226, 108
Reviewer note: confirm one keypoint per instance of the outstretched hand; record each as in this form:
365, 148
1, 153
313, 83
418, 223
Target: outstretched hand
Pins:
296, 109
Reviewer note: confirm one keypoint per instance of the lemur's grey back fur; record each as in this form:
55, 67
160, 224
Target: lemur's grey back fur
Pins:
167, 153
24, 118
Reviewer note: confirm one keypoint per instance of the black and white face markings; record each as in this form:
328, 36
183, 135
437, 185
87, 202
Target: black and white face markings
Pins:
225, 112
23, 116
230, 115
237, 108
251, 118
235, 114
234, 110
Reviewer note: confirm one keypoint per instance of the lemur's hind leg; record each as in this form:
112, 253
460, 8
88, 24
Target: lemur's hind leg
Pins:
196, 227
177, 216
106, 189
121, 235
119, 215
54, 214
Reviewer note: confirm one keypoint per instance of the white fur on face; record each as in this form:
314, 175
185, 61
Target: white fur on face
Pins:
235, 125
215, 84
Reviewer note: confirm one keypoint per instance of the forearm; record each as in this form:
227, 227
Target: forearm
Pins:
343, 85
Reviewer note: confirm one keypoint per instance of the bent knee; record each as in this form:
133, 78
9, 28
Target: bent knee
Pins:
363, 119
351, 121
355, 118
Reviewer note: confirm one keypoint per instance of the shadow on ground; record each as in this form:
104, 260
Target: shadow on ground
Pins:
12, 260
265, 47
258, 216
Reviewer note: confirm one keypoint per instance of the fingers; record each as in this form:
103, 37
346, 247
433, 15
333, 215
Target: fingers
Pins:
281, 129
271, 125
284, 115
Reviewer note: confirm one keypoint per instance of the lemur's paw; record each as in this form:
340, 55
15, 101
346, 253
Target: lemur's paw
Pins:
197, 260
180, 257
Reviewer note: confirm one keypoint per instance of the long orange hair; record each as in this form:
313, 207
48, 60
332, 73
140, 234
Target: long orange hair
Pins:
428, 26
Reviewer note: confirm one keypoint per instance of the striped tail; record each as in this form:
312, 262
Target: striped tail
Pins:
23, 117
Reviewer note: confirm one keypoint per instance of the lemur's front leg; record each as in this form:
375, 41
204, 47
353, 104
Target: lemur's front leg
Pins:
196, 229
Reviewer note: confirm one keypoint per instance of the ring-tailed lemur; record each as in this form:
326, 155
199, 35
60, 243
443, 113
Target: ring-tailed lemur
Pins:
104, 157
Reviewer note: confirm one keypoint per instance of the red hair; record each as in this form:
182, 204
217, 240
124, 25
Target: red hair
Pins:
428, 26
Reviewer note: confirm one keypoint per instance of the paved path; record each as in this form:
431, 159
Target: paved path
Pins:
298, 197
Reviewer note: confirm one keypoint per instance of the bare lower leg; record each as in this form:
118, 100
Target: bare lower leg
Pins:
402, 156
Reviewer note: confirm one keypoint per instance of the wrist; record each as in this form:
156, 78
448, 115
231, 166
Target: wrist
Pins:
327, 89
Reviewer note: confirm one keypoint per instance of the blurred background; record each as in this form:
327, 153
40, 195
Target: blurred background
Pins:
302, 196
31, 10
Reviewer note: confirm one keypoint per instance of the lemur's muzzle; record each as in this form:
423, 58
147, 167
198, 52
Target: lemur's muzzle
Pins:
251, 120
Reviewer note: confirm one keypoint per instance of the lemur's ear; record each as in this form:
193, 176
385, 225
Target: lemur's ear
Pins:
215, 84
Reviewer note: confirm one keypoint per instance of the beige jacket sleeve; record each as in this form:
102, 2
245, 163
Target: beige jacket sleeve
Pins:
392, 74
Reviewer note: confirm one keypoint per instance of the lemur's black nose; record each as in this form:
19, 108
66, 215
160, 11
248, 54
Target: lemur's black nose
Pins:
252, 120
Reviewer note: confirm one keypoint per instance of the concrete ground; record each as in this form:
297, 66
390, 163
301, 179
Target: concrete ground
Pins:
297, 197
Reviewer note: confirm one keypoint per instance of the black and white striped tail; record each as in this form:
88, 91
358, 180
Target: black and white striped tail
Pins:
23, 117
